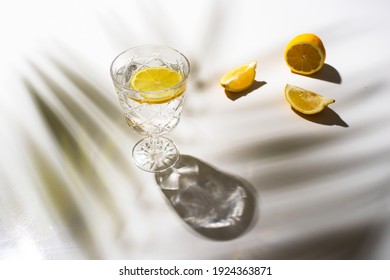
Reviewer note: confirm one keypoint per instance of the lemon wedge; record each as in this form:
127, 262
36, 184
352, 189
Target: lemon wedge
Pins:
239, 78
305, 101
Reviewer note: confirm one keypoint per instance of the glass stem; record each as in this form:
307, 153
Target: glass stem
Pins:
155, 144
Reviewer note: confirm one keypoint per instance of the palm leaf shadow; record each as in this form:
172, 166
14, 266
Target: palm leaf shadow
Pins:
315, 172
94, 94
54, 185
350, 243
57, 191
91, 128
60, 132
73, 145
294, 175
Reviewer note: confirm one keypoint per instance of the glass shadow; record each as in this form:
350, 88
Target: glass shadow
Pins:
215, 204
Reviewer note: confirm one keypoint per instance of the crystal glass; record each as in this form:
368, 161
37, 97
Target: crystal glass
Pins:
154, 153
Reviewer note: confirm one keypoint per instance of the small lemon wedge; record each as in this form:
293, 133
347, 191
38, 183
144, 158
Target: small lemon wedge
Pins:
239, 78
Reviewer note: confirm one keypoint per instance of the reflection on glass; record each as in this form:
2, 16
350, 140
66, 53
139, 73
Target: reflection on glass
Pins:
152, 109
215, 204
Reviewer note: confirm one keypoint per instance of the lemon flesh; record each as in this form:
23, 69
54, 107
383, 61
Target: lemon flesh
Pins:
157, 84
239, 78
305, 101
305, 54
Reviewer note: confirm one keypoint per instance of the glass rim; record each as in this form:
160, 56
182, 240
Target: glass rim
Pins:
128, 88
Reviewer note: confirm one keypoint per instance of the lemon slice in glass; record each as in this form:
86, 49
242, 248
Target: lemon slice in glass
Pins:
305, 101
157, 84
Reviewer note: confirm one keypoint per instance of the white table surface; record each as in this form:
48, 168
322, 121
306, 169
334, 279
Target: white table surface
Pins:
69, 188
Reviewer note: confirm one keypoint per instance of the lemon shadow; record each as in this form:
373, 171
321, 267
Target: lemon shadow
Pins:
326, 117
236, 95
328, 73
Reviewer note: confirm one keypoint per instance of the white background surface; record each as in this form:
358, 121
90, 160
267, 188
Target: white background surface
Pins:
68, 187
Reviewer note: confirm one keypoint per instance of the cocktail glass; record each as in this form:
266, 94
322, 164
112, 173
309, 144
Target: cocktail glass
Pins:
151, 114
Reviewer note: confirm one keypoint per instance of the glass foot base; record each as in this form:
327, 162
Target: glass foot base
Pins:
155, 154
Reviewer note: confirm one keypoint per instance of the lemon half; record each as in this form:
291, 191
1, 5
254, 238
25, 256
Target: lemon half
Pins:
305, 54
